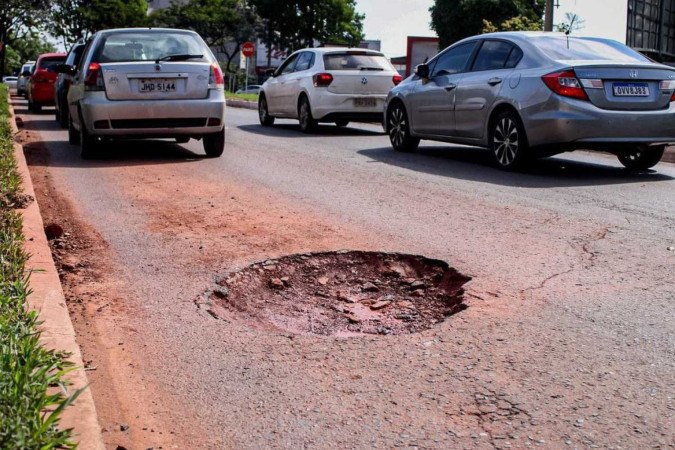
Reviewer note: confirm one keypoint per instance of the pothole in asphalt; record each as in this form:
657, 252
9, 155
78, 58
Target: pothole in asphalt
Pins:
341, 294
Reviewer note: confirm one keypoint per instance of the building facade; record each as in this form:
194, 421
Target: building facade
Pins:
651, 28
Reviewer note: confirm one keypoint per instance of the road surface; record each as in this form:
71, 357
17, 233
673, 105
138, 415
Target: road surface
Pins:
567, 342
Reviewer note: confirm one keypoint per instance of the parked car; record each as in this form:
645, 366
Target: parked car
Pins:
24, 74
63, 81
328, 85
147, 83
535, 94
251, 89
10, 81
40, 85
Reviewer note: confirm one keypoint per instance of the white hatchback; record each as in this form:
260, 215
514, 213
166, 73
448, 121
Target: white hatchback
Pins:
328, 85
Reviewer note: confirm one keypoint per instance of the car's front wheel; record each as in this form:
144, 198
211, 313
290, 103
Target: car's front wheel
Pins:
263, 113
307, 122
508, 143
642, 157
214, 144
398, 129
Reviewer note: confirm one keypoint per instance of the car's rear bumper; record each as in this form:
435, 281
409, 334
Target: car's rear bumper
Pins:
42, 93
574, 124
153, 118
326, 106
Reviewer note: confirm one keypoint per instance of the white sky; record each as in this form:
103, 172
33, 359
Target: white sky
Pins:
391, 21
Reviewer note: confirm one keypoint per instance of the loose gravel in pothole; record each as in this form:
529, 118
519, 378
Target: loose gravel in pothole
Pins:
342, 294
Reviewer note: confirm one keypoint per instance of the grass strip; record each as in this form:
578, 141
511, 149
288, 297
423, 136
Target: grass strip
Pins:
33, 393
233, 96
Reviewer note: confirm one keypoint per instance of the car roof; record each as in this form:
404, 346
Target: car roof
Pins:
325, 50
51, 55
123, 30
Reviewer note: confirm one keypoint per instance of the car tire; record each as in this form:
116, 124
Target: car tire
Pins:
507, 141
63, 116
214, 144
32, 107
307, 122
263, 112
73, 134
182, 140
341, 123
87, 143
57, 115
398, 129
642, 157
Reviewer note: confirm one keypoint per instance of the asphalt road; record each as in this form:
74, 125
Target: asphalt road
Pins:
567, 342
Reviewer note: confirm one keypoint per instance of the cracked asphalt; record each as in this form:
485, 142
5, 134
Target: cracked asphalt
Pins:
567, 342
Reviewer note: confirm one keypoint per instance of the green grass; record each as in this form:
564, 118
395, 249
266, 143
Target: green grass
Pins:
32, 389
233, 96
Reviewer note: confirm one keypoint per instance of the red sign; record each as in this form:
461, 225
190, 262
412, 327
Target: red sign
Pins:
248, 49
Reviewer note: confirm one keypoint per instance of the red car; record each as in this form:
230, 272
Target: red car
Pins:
40, 86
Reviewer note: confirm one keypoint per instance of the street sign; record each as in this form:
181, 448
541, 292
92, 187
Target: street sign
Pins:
248, 49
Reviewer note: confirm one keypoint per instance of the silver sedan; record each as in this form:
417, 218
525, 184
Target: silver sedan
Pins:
535, 94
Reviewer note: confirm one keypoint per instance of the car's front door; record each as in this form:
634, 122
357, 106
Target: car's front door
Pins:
292, 86
276, 94
481, 85
433, 101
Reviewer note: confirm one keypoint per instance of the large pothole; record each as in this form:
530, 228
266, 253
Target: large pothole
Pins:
341, 293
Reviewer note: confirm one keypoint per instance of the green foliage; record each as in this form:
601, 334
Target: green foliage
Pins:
518, 23
30, 404
571, 24
456, 19
26, 49
17, 19
303, 23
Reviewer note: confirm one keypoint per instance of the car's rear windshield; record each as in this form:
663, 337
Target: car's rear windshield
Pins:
356, 61
49, 64
148, 46
561, 48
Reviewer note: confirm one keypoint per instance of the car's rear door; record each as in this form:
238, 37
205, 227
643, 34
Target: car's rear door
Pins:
481, 85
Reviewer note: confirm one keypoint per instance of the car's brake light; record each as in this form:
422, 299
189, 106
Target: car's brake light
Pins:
668, 85
565, 83
322, 79
397, 79
93, 80
216, 80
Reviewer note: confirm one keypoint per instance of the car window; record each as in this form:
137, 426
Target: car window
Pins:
85, 51
454, 60
147, 46
492, 55
514, 58
305, 61
49, 64
565, 48
75, 55
356, 60
288, 65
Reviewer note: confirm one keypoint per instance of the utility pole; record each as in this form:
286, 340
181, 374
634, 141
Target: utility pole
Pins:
548, 16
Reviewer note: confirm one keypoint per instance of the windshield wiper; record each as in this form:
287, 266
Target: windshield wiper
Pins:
379, 69
179, 57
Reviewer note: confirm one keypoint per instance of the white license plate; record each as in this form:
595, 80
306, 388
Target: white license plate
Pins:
157, 85
631, 90
365, 102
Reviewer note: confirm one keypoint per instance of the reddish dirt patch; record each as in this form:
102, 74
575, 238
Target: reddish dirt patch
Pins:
342, 293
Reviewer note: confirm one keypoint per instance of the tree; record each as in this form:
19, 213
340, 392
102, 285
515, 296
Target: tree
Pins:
518, 23
456, 19
17, 19
28, 48
302, 23
223, 24
571, 23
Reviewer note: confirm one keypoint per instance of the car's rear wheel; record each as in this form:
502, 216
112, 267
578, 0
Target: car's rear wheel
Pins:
73, 134
307, 122
63, 116
398, 129
88, 143
214, 144
182, 140
32, 107
263, 113
642, 157
508, 143
341, 123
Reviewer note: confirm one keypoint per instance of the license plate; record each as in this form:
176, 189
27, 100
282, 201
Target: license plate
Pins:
631, 90
157, 85
365, 102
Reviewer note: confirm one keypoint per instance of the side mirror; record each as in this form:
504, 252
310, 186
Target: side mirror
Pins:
65, 68
270, 72
422, 71
25, 73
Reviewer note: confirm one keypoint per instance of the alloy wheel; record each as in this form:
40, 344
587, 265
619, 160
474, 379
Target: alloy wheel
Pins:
505, 141
398, 126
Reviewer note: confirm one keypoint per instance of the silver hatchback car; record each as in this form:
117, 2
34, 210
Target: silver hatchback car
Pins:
535, 94
146, 83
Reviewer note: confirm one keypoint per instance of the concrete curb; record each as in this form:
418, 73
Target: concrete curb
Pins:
48, 299
242, 104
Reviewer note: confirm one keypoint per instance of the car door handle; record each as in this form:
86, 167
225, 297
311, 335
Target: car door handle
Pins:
494, 81
450, 87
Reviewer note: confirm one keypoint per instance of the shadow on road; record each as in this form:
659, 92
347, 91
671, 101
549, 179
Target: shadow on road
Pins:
475, 164
291, 130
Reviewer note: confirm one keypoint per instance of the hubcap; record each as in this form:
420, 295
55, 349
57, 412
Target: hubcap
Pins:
505, 141
263, 109
304, 114
397, 126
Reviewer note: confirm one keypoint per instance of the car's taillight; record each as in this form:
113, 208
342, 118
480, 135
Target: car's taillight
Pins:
216, 80
323, 79
93, 79
668, 85
397, 79
566, 84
